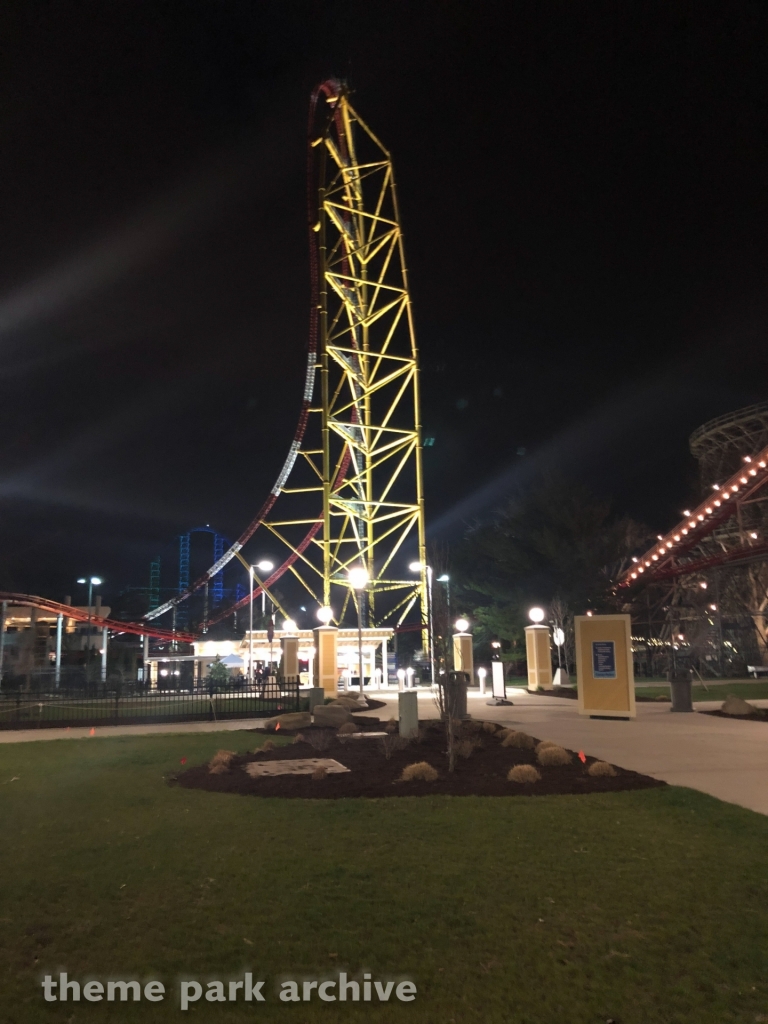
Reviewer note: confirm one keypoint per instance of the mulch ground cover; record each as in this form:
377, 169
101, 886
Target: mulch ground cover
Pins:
758, 716
569, 692
373, 774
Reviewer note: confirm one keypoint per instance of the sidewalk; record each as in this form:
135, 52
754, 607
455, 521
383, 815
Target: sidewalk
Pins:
727, 758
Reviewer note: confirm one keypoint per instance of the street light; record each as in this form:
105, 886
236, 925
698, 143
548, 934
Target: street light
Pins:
358, 580
536, 615
289, 626
92, 581
325, 614
427, 569
462, 625
446, 579
264, 566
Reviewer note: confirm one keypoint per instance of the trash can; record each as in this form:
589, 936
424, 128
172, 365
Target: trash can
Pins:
456, 695
680, 690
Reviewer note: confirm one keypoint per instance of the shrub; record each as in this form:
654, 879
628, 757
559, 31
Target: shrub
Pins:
553, 756
523, 773
521, 740
392, 742
421, 770
347, 729
601, 768
545, 743
319, 773
320, 739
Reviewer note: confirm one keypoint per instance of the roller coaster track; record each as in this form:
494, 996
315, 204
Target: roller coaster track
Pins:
678, 553
356, 494
81, 615
362, 347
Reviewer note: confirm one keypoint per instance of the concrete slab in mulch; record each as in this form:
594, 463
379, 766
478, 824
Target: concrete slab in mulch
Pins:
296, 766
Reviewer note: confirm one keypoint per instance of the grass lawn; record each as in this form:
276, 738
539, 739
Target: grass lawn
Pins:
714, 691
641, 907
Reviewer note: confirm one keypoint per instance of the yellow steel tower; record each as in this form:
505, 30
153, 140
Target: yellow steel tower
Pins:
367, 465
350, 492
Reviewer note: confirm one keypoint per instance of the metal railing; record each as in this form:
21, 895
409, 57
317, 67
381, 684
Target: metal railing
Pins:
121, 705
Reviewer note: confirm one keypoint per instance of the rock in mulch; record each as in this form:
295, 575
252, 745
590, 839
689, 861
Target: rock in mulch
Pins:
737, 707
331, 716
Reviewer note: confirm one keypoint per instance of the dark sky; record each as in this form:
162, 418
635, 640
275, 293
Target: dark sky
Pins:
583, 190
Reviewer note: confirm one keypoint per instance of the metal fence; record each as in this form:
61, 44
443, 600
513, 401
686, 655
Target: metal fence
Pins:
104, 705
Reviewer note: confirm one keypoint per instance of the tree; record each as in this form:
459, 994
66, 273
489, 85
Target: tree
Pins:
555, 541
218, 674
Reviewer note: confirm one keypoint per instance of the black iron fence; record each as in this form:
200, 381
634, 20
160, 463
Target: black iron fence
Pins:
105, 705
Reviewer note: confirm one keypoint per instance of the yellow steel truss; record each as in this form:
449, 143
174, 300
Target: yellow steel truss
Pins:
362, 455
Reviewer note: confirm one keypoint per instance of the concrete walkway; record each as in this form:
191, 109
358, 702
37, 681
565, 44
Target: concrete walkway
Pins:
26, 735
727, 758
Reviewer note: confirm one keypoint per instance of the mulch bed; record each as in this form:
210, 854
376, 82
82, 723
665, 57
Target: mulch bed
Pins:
569, 692
759, 716
371, 774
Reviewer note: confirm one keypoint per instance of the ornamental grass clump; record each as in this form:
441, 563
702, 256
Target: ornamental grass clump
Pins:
544, 744
466, 748
554, 755
391, 725
601, 769
521, 740
221, 761
348, 729
319, 773
421, 771
489, 727
523, 773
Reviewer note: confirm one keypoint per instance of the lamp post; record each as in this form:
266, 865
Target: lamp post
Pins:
446, 579
262, 566
427, 569
358, 580
92, 581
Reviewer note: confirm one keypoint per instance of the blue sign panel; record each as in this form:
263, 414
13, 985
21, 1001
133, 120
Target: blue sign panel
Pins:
604, 659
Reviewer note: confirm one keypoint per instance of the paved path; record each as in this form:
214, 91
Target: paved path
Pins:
25, 735
725, 758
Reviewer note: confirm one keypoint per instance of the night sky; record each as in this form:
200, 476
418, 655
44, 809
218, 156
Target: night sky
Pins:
583, 192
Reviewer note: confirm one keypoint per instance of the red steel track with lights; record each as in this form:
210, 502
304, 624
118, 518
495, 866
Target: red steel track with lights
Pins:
662, 561
81, 615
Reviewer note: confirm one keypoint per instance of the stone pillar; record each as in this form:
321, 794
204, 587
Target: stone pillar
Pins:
326, 671
316, 696
463, 657
408, 713
539, 657
289, 662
